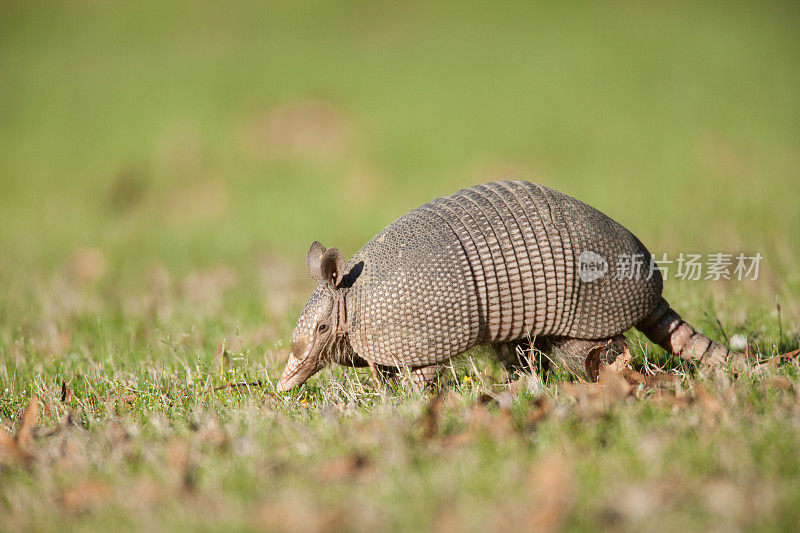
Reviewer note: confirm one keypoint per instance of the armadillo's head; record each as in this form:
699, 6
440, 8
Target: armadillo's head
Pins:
321, 327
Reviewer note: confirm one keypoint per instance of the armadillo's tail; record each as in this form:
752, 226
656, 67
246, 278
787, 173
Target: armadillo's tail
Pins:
666, 328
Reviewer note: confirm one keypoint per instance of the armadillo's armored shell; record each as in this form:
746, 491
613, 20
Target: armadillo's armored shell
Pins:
492, 263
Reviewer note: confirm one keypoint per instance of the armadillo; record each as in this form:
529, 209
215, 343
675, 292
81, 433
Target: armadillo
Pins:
495, 264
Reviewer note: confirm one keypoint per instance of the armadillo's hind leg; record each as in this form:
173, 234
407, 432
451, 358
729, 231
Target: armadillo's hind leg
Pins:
583, 357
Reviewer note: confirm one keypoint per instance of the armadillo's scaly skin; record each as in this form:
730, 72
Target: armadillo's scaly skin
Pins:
491, 263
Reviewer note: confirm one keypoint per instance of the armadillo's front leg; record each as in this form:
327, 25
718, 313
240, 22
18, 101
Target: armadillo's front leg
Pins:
425, 377
517, 355
421, 377
380, 373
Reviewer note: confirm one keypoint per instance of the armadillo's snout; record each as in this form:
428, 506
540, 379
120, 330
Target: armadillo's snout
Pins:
297, 371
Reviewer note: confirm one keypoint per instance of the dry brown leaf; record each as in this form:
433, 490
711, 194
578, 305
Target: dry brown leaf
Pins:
498, 426
551, 485
599, 397
632, 376
85, 495
9, 451
456, 440
778, 382
617, 387
430, 420
710, 405
211, 433
666, 398
585, 394
24, 436
541, 409
296, 513
778, 360
661, 378
593, 361
178, 461
66, 392
622, 360
344, 468
129, 397
144, 494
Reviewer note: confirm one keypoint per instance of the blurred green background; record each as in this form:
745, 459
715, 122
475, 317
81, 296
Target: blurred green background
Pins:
206, 133
165, 165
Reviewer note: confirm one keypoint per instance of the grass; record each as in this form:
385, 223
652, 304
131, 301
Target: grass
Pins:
163, 169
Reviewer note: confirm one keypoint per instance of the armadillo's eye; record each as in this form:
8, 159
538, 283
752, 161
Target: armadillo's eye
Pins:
322, 328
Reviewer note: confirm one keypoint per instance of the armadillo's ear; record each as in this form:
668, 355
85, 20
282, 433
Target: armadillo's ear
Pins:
332, 266
314, 261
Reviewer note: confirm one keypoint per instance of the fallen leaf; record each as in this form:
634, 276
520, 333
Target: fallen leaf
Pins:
541, 409
778, 360
551, 486
593, 361
632, 376
600, 396
456, 440
24, 436
66, 392
213, 434
587, 395
616, 385
710, 405
777, 382
85, 495
497, 426
622, 360
661, 378
296, 513
344, 468
179, 462
9, 451
129, 397
430, 420
667, 398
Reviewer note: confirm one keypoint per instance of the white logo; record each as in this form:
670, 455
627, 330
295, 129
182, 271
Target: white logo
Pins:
591, 266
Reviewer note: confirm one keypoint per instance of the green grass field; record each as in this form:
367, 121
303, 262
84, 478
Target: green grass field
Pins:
163, 169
